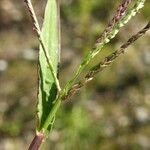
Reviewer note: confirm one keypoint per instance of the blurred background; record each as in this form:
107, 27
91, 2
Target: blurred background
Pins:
111, 112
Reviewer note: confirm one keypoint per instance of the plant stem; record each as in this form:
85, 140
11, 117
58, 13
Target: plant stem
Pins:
38, 33
37, 141
51, 114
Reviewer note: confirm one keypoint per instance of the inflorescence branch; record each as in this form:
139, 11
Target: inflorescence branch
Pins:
38, 33
119, 13
119, 20
105, 63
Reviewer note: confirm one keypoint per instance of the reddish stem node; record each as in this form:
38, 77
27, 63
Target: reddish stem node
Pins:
37, 141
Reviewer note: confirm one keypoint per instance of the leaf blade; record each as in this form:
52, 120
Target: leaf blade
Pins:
51, 38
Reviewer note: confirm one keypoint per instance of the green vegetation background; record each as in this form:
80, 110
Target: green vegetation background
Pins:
111, 112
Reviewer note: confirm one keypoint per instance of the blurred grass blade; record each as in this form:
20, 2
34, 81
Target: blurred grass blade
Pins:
50, 35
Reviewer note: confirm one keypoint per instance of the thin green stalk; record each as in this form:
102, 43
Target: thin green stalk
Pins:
130, 13
51, 114
38, 33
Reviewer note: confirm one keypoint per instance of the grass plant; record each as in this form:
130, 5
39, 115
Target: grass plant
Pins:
50, 94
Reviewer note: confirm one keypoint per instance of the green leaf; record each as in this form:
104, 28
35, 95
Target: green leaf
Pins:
50, 35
